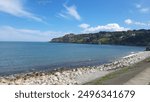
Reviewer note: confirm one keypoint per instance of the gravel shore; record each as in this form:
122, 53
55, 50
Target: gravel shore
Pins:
73, 76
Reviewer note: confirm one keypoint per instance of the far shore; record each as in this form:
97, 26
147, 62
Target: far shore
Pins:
76, 76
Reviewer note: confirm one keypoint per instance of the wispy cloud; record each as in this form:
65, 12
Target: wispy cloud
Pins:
9, 33
132, 22
63, 15
142, 9
70, 11
138, 5
16, 8
109, 27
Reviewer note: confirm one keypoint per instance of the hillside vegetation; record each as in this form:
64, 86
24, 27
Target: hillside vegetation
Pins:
131, 37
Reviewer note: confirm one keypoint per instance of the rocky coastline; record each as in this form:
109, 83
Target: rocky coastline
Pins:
76, 76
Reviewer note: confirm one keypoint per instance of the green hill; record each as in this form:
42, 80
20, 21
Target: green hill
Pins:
131, 37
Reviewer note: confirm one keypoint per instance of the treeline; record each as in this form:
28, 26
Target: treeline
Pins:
131, 37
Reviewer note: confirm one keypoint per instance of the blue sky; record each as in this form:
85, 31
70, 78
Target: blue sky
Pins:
42, 20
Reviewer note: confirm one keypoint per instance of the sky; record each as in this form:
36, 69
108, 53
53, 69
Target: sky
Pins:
42, 20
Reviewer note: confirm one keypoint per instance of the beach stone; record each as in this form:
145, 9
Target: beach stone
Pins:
55, 78
79, 72
57, 73
74, 70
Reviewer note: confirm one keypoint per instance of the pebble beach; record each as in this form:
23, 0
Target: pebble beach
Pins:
75, 76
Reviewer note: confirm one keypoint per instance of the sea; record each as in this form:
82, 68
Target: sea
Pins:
23, 57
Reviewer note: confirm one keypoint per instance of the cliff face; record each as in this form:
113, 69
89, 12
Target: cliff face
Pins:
65, 39
132, 37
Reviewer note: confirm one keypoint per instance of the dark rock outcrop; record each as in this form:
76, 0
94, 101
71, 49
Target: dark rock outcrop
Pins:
148, 48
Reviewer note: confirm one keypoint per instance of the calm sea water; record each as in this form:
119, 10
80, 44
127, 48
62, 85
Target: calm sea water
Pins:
16, 57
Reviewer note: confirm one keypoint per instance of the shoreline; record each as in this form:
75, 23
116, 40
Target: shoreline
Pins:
76, 76
136, 74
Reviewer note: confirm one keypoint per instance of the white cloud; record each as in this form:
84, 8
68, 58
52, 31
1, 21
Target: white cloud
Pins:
84, 26
128, 21
132, 22
108, 27
16, 8
70, 11
140, 24
142, 9
9, 33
